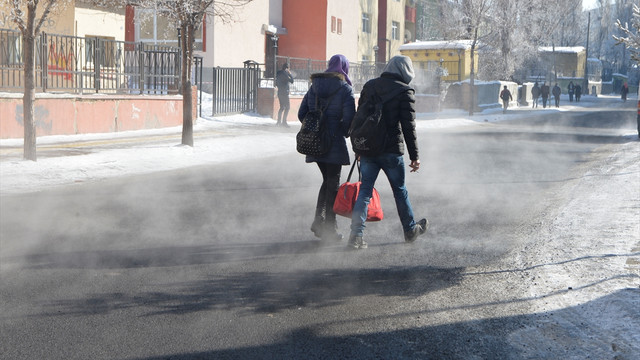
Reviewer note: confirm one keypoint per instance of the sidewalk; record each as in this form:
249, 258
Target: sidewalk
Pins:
72, 159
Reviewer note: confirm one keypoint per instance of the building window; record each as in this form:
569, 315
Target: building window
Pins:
366, 23
395, 30
333, 24
156, 29
13, 49
339, 26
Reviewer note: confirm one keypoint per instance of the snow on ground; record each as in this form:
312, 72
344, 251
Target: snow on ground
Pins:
216, 139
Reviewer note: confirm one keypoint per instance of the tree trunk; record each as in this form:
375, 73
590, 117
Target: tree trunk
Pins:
472, 73
28, 39
186, 38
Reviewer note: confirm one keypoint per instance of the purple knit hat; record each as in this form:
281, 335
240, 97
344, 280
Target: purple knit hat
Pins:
339, 64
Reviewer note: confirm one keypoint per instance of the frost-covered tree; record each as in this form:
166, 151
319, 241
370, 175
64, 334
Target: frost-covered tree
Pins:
29, 16
466, 20
631, 33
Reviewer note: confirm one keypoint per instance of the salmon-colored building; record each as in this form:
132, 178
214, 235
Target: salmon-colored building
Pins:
318, 29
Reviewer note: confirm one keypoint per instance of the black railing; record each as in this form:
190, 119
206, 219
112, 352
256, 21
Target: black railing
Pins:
427, 78
359, 73
235, 90
90, 64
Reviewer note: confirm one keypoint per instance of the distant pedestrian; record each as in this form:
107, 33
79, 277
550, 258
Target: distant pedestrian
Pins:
578, 92
535, 93
398, 115
335, 94
571, 89
544, 92
624, 91
505, 95
556, 94
283, 79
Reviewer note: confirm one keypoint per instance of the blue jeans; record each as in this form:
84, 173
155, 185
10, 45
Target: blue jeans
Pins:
393, 167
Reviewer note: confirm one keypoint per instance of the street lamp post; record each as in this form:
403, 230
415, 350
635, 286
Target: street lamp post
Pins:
440, 73
275, 54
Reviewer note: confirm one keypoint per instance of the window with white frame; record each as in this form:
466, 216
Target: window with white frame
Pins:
395, 30
366, 23
155, 28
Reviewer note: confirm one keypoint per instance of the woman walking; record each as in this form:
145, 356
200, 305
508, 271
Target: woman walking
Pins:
334, 94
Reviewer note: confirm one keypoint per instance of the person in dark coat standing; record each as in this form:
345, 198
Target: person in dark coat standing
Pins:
398, 115
624, 91
556, 94
544, 92
283, 79
338, 116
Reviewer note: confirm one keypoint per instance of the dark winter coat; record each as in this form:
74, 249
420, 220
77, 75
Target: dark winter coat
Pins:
535, 91
556, 91
398, 113
544, 91
283, 79
338, 114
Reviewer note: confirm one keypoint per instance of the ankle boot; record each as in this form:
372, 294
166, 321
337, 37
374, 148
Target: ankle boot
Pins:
317, 226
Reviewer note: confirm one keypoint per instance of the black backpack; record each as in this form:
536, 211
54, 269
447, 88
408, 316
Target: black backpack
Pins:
313, 139
368, 132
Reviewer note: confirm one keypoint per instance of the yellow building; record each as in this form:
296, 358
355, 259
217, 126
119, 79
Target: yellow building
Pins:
454, 56
564, 62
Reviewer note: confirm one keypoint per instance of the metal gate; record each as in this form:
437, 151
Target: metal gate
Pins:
235, 90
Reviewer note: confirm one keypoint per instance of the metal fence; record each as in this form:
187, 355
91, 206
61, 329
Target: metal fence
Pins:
90, 64
426, 81
235, 90
359, 73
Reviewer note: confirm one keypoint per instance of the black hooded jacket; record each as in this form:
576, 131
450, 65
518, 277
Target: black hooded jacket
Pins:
399, 113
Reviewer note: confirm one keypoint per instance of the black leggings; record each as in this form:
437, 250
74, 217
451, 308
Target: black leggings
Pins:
328, 191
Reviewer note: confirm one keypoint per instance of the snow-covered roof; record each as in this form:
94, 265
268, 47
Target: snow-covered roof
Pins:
562, 49
436, 45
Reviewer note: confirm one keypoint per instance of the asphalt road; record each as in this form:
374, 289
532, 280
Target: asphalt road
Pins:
217, 262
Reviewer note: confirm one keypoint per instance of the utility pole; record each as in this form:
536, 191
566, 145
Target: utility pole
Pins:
586, 60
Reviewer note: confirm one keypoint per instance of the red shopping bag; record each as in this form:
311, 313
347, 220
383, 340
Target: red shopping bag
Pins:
347, 195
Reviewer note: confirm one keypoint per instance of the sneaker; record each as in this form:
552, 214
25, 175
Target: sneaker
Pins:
420, 228
356, 242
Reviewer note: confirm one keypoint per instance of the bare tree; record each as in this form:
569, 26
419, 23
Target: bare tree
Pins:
188, 15
631, 33
24, 13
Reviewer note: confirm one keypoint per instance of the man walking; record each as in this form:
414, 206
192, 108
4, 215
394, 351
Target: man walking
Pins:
505, 95
571, 89
544, 92
556, 94
535, 94
398, 116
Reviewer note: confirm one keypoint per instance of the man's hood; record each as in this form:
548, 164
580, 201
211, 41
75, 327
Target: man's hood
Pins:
401, 67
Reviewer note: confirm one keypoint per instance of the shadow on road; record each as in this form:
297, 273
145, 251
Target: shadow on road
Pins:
547, 335
262, 292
